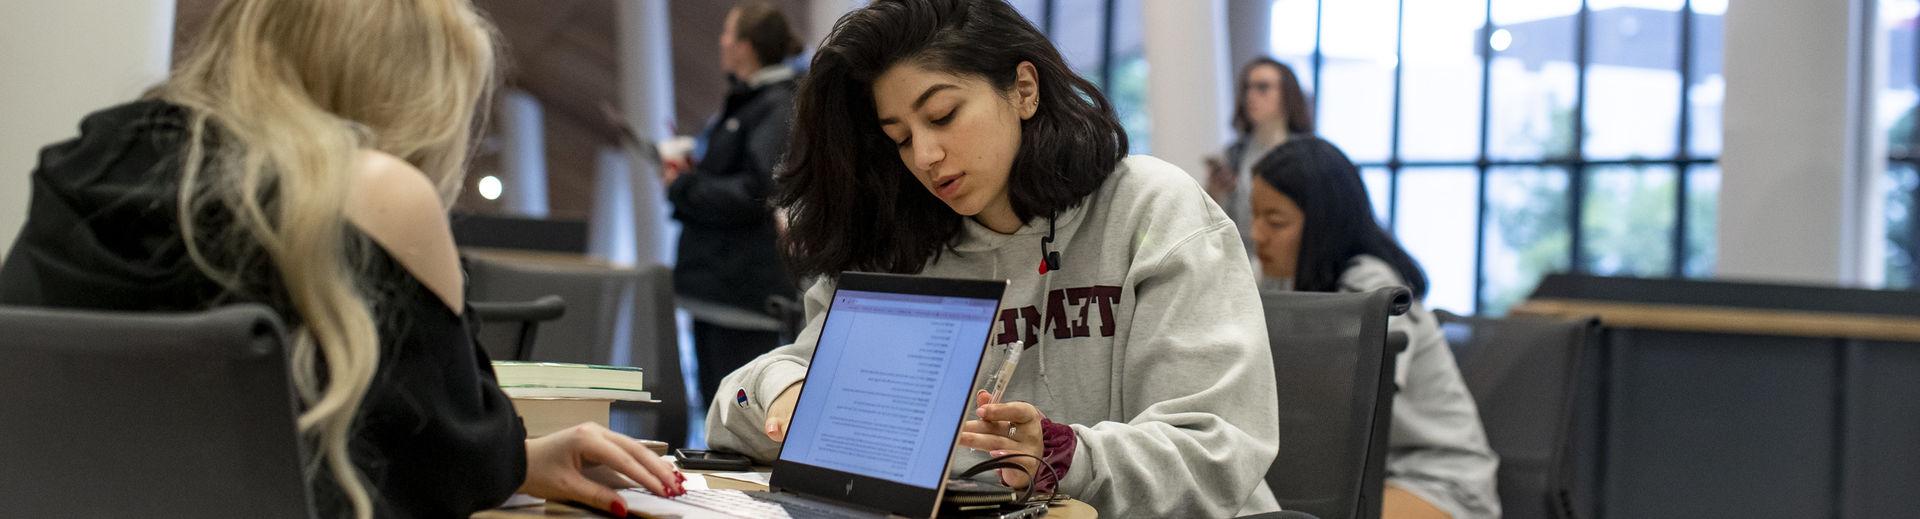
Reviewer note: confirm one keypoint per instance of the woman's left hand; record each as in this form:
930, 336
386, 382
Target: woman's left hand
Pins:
1006, 428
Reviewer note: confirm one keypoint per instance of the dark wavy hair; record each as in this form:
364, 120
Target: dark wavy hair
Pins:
1339, 217
851, 202
1292, 98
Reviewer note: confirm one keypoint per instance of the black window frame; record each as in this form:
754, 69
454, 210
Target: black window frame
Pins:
1575, 165
1909, 156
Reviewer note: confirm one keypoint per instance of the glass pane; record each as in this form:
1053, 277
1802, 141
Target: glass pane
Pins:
1895, 107
1291, 37
1532, 88
1078, 32
1706, 94
1527, 235
1034, 10
1379, 189
1129, 90
1628, 221
1440, 100
1356, 98
1438, 206
1633, 80
1903, 233
1703, 209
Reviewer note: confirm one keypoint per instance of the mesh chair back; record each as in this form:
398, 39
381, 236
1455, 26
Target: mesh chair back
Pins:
1522, 371
622, 316
1334, 368
147, 415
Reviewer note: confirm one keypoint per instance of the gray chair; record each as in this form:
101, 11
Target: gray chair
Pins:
1523, 372
621, 316
508, 328
147, 415
1285, 514
1333, 363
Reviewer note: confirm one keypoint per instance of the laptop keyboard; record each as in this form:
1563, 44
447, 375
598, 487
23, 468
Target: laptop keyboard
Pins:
732, 502
757, 505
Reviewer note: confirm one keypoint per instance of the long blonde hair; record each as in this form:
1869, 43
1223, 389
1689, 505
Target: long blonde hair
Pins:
283, 96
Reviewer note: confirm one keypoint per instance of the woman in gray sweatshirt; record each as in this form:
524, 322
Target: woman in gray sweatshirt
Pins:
949, 138
1313, 229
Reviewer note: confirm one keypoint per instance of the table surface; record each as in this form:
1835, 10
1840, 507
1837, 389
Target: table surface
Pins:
1070, 509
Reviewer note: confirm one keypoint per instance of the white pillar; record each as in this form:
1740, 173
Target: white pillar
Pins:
1796, 199
62, 60
646, 99
523, 154
1188, 95
611, 232
1249, 35
821, 14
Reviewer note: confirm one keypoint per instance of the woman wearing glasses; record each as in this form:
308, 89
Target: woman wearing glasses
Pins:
1269, 109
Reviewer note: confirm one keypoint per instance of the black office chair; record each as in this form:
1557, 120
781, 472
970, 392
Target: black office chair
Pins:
147, 415
1522, 371
1333, 361
1286, 514
507, 329
615, 315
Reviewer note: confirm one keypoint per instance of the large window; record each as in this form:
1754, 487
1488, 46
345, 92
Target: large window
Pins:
1895, 111
1505, 139
1102, 40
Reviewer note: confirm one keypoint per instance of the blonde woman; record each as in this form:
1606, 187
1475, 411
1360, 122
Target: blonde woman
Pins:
303, 155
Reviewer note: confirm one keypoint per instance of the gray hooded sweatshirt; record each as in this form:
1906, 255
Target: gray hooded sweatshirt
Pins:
1436, 448
1148, 341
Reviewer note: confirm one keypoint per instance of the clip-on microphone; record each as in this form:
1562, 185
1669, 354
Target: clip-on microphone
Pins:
1049, 259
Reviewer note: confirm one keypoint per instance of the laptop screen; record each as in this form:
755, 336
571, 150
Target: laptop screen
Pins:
889, 382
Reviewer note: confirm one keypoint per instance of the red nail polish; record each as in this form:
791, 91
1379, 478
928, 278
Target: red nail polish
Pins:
619, 508
683, 477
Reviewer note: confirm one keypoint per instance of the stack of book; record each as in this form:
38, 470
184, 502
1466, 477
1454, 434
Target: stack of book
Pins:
551, 396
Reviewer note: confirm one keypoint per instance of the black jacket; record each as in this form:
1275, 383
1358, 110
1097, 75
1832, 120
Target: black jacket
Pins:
435, 436
728, 253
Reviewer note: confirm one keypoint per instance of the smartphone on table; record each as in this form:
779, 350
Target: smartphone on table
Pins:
696, 459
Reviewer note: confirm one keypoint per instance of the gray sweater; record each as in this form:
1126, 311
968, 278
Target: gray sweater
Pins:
1149, 342
1437, 448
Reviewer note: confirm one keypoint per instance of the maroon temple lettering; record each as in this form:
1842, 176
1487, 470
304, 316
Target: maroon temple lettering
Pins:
1069, 313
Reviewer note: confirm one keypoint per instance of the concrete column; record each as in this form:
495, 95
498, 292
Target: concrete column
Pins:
1796, 199
820, 17
1189, 95
1249, 35
62, 60
646, 98
523, 154
611, 233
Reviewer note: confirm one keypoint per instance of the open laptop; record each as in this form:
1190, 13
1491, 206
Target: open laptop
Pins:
887, 388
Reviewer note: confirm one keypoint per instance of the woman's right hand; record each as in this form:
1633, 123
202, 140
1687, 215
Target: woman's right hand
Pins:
558, 467
780, 412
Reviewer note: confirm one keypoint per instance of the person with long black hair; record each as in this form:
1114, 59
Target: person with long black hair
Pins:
949, 138
1314, 230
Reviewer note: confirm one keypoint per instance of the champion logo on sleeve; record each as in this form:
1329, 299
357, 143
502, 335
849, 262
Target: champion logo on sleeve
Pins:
740, 398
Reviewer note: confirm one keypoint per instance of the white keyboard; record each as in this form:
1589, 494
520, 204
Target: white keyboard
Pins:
733, 502
723, 503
